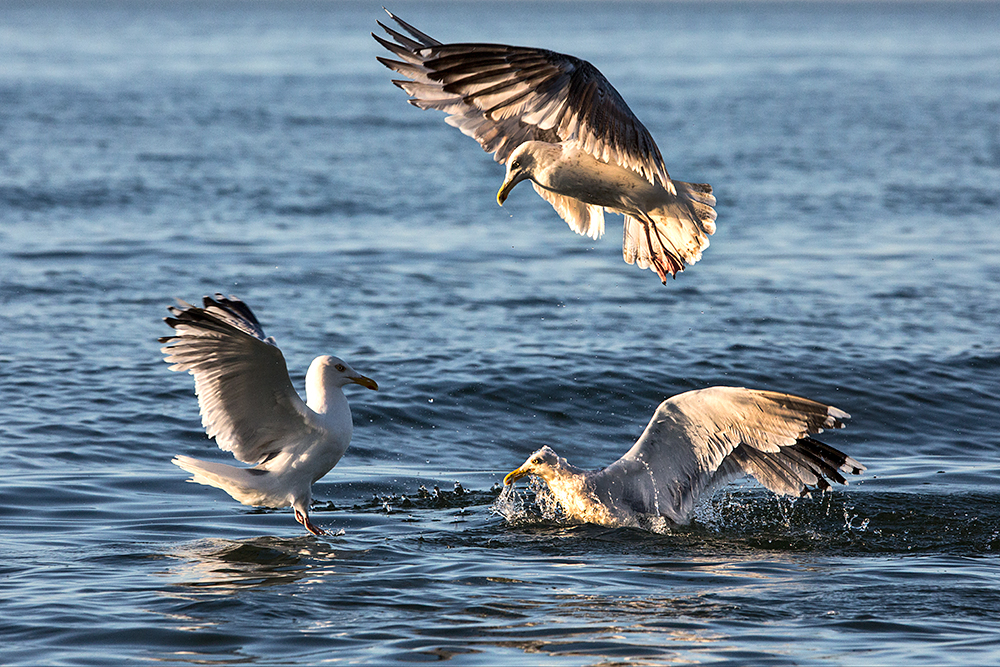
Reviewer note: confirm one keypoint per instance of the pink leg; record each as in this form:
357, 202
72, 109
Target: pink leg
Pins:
309, 525
673, 263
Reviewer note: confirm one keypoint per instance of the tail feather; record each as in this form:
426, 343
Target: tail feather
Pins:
701, 202
246, 485
674, 235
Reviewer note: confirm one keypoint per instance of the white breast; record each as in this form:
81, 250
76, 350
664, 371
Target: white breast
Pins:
579, 175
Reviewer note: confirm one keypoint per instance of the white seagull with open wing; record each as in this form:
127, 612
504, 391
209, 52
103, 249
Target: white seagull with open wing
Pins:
696, 442
249, 406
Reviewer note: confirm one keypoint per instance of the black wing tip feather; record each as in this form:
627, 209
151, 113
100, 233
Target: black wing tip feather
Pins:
825, 462
396, 47
202, 316
841, 460
806, 466
235, 306
423, 38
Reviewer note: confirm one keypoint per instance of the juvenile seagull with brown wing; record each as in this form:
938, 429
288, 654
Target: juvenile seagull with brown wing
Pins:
555, 120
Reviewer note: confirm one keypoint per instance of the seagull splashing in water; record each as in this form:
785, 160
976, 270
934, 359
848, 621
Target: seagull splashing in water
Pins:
554, 120
696, 442
249, 406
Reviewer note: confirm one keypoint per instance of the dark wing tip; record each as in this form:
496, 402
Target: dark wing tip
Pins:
215, 312
390, 63
825, 462
423, 38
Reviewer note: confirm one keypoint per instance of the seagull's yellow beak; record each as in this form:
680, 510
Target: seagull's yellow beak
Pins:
515, 475
505, 191
365, 382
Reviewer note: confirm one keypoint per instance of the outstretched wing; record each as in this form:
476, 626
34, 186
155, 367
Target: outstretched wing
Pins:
504, 95
701, 439
246, 398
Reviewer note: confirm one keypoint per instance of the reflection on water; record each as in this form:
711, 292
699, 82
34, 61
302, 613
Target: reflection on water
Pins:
231, 565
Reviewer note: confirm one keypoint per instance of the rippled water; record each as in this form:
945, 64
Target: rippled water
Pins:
153, 152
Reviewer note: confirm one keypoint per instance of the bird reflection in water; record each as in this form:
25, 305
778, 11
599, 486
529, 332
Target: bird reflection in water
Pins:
233, 565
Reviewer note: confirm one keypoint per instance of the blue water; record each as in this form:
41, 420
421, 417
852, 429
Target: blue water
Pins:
158, 150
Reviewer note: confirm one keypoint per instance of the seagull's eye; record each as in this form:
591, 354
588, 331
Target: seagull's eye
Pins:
536, 461
340, 367
515, 164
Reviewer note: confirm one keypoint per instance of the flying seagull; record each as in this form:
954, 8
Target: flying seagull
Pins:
555, 120
249, 406
696, 442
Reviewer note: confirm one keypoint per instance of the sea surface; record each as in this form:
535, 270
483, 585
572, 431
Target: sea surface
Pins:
153, 151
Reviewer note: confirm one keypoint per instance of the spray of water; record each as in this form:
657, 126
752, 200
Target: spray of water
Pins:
537, 504
510, 505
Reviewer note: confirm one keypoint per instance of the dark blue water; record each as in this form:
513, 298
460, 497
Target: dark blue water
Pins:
175, 150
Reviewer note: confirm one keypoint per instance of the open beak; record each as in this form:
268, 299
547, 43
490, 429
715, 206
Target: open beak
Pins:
365, 382
515, 475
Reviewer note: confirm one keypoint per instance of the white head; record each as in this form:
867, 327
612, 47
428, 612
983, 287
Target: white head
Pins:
327, 373
545, 463
520, 166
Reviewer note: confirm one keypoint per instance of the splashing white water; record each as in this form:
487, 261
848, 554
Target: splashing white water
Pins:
510, 504
538, 504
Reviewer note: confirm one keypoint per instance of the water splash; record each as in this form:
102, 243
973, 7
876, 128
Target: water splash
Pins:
509, 504
537, 504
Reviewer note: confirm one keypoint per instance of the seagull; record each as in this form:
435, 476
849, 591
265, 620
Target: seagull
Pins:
553, 119
249, 406
696, 442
